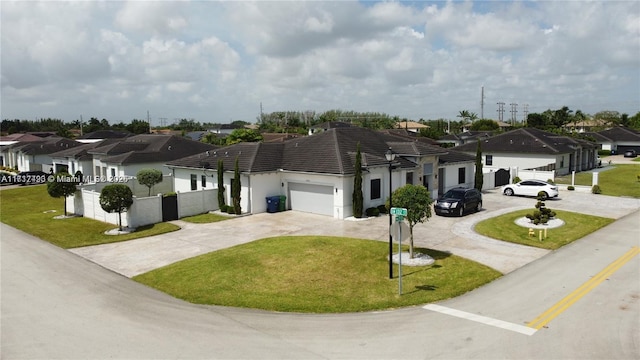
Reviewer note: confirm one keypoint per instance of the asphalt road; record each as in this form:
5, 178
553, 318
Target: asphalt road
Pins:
56, 305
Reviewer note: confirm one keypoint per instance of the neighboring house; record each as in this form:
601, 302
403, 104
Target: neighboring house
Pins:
618, 139
225, 129
464, 137
7, 156
410, 126
410, 136
315, 173
584, 126
146, 151
77, 158
35, 155
530, 148
327, 125
455, 169
99, 135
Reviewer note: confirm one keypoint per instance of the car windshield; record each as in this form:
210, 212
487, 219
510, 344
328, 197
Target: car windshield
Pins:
454, 194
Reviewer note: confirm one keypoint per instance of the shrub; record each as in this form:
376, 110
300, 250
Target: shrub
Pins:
382, 209
542, 214
604, 152
570, 188
596, 189
516, 179
372, 211
231, 210
224, 208
169, 194
550, 181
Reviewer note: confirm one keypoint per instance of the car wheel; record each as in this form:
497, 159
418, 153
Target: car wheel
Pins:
479, 206
544, 195
508, 192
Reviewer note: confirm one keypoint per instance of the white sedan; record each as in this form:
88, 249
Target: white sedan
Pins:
531, 188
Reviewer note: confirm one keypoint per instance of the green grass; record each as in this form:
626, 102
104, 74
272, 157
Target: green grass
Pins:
621, 180
205, 218
576, 226
314, 274
29, 208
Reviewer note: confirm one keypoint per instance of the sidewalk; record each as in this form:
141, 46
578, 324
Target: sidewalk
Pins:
451, 234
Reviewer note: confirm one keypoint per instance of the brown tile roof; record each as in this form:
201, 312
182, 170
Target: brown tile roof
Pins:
330, 152
527, 140
149, 148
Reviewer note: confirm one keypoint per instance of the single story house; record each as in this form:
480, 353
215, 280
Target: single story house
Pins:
315, 173
534, 149
124, 158
618, 139
35, 155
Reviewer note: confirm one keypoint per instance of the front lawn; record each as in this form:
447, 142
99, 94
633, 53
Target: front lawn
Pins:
576, 226
621, 180
32, 210
314, 274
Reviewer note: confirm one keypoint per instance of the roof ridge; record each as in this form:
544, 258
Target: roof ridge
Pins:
336, 147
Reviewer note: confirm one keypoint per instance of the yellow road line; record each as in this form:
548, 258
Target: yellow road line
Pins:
584, 289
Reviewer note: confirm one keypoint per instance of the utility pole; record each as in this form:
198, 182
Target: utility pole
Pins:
525, 113
501, 111
81, 125
261, 114
514, 110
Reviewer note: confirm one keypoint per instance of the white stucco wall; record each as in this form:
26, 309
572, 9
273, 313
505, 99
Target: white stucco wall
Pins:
451, 180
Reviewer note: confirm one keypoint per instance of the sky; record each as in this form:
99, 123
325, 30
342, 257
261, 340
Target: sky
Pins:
223, 61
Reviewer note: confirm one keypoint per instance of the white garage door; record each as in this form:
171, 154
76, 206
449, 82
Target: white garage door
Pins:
317, 199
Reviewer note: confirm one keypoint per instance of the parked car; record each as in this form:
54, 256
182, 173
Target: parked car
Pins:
31, 177
458, 200
630, 153
531, 188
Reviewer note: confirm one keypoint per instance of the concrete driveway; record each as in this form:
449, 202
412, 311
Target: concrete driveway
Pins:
451, 234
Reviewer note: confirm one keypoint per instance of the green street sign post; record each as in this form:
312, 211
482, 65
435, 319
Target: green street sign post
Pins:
400, 213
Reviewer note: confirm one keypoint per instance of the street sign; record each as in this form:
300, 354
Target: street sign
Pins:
400, 228
398, 211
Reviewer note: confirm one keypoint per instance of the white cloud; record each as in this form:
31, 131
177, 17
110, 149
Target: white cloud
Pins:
216, 61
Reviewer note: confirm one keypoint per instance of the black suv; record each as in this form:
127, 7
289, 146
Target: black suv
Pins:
458, 200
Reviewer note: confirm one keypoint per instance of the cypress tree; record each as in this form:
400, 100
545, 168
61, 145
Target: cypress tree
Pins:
221, 200
235, 189
357, 186
479, 179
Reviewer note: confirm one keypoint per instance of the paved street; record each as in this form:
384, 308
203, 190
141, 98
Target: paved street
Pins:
56, 305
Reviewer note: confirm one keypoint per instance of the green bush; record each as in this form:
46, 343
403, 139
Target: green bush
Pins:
382, 209
224, 208
516, 180
596, 189
169, 194
231, 210
372, 211
604, 152
550, 181
570, 187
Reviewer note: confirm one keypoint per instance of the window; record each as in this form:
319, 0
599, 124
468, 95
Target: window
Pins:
375, 189
409, 177
562, 161
488, 160
113, 172
203, 180
194, 182
461, 175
